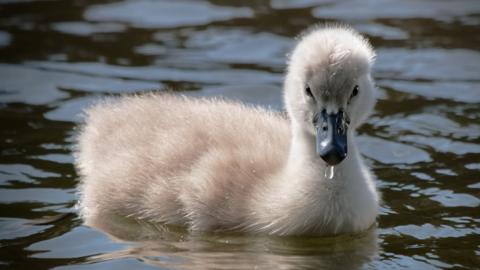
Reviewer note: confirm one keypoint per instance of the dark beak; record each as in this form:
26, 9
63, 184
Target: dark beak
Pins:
331, 136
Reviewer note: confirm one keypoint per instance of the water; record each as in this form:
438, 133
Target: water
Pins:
422, 142
330, 172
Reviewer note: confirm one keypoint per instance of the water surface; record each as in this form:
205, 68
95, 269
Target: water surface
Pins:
422, 142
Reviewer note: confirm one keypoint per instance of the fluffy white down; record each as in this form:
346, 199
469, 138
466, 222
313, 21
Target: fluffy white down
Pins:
216, 165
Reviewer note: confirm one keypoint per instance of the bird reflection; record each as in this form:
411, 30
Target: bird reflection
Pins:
176, 248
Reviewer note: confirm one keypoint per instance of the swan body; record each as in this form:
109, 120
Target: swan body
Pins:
217, 165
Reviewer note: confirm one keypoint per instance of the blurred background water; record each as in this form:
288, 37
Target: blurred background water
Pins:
423, 141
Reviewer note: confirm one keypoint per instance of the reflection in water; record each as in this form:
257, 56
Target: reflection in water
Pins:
158, 14
442, 10
5, 39
165, 246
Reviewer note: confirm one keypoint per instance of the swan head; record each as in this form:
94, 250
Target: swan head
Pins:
329, 90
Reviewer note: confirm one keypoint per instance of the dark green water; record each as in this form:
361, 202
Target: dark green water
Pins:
423, 141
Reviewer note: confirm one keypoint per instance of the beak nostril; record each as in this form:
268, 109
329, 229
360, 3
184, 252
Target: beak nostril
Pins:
315, 120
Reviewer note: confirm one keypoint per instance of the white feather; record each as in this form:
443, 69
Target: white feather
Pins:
216, 165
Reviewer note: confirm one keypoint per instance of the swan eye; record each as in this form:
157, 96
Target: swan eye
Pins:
308, 91
354, 92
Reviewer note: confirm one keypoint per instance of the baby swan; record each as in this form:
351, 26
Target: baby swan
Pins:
215, 165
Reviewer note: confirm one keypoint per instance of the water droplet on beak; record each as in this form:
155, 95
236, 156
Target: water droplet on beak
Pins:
329, 172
